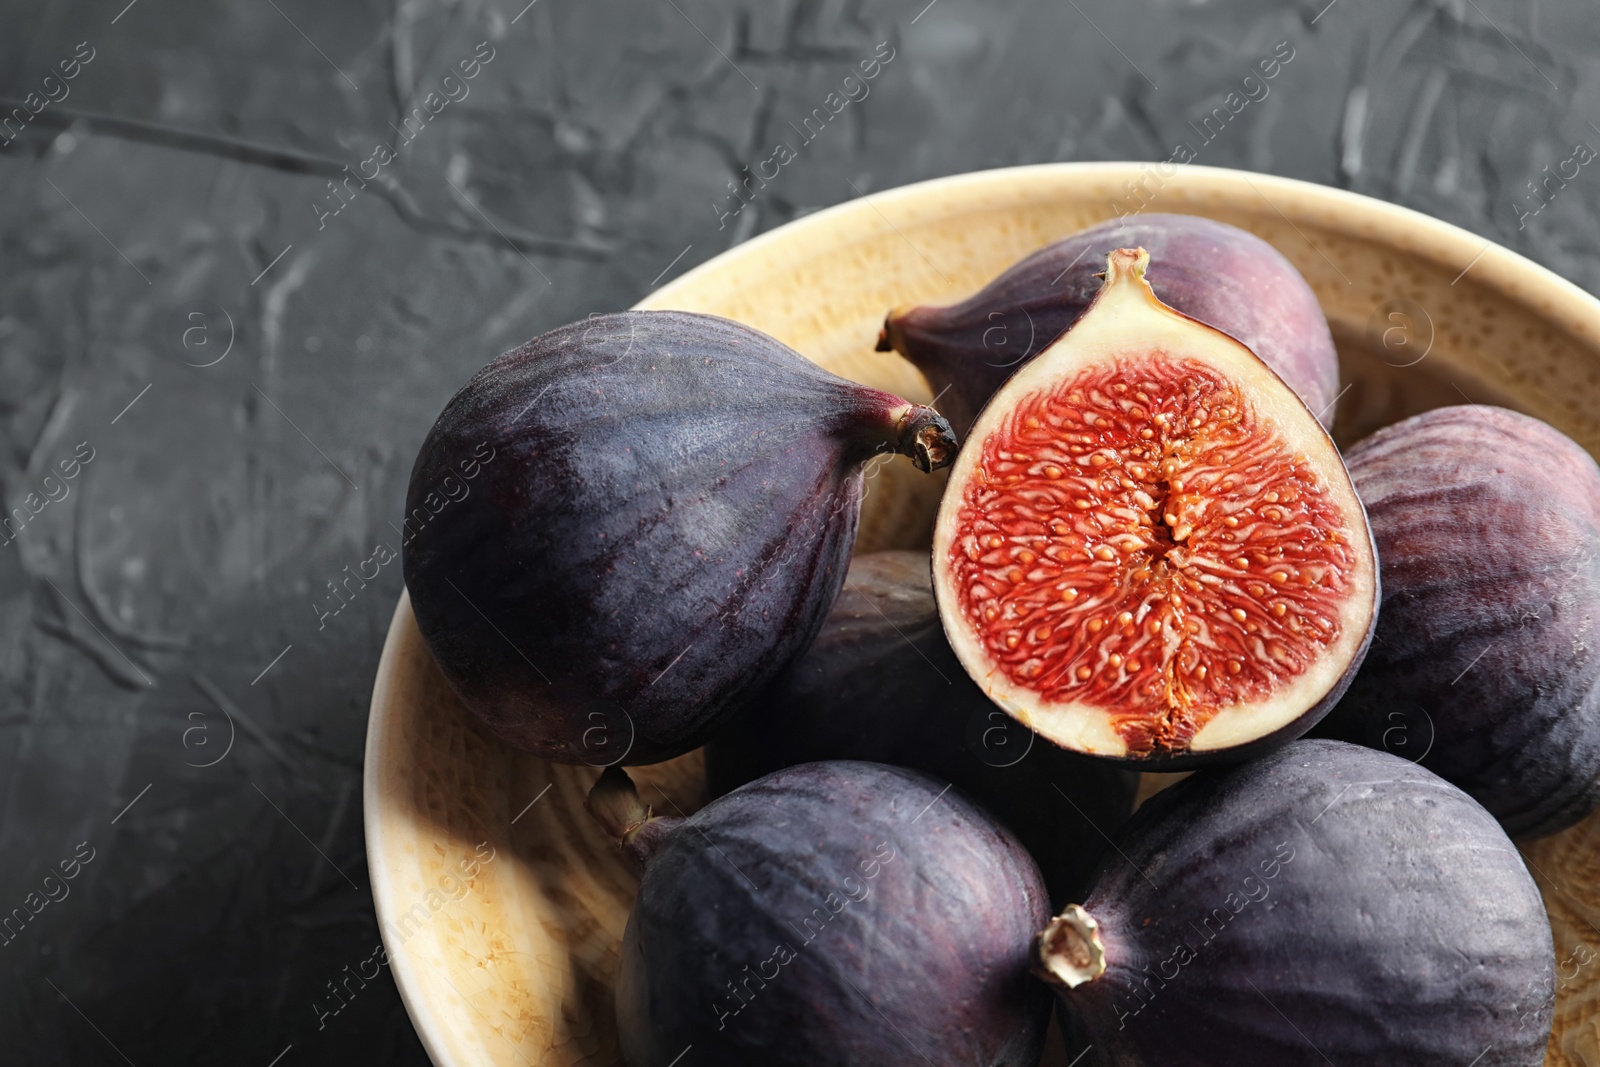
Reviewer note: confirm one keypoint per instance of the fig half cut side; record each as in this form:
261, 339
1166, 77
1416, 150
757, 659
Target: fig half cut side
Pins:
1149, 548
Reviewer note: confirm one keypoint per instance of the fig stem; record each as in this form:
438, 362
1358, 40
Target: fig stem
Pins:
925, 435
615, 804
888, 335
1068, 952
1127, 264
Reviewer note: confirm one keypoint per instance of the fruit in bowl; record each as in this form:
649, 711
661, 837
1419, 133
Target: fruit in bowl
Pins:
1484, 668
881, 684
562, 903
1221, 275
661, 523
1149, 549
1323, 904
830, 913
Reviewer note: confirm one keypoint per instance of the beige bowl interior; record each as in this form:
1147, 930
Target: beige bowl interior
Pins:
513, 964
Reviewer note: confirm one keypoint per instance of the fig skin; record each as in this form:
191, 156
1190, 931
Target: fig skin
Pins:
1327, 903
839, 913
1223, 276
881, 684
1488, 530
660, 512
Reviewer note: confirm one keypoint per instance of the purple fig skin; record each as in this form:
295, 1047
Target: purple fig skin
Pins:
880, 683
660, 511
834, 913
1325, 904
1483, 669
1226, 277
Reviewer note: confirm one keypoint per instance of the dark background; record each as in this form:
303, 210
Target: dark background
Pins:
579, 172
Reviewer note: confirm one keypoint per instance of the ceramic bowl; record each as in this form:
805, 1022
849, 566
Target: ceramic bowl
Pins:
502, 909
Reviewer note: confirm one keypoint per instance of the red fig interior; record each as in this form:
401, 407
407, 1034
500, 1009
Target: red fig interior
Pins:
1150, 547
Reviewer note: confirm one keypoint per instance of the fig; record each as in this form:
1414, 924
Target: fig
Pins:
627, 525
1149, 549
1483, 667
1226, 277
1324, 904
881, 684
830, 913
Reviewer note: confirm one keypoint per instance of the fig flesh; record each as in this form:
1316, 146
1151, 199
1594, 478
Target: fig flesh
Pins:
835, 913
1325, 904
1149, 549
1483, 668
1226, 277
661, 510
881, 684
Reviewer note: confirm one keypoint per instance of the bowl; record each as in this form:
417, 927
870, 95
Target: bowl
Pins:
502, 909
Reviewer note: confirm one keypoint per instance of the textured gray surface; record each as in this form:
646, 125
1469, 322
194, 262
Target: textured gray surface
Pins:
192, 149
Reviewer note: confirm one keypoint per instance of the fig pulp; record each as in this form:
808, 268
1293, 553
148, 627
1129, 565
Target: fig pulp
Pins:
1484, 668
1325, 904
830, 914
880, 683
1224, 276
1149, 549
661, 510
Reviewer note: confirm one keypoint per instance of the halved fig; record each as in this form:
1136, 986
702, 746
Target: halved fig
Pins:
623, 528
1224, 276
1326, 904
1149, 548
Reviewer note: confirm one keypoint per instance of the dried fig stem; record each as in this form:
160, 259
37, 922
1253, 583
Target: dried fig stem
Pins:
1068, 952
614, 803
924, 435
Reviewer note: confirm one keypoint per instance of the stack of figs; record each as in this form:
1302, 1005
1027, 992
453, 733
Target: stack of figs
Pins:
1149, 556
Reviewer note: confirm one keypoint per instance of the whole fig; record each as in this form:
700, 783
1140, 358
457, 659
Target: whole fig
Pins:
621, 529
1324, 904
829, 914
1484, 666
880, 683
1223, 276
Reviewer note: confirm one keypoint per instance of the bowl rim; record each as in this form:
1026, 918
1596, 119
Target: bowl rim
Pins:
1444, 242
1557, 300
